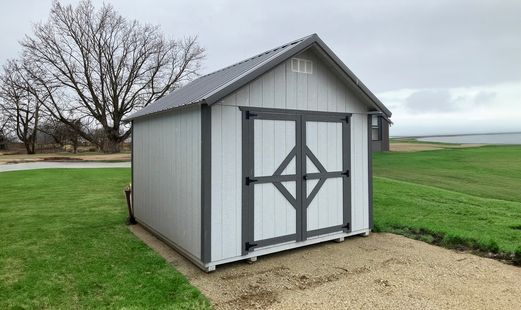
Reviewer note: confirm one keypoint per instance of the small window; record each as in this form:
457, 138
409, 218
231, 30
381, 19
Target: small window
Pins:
376, 128
301, 65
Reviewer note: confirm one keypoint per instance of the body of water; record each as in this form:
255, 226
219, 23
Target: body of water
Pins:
497, 138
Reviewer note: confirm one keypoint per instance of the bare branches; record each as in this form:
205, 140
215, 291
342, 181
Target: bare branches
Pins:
19, 105
97, 66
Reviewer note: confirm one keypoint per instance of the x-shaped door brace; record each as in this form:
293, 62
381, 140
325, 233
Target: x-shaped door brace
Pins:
321, 176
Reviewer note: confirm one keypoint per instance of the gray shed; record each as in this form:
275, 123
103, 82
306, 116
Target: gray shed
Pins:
269, 154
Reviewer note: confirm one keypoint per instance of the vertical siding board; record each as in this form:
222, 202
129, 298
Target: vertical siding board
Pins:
268, 89
312, 87
216, 175
229, 166
226, 181
280, 87
291, 87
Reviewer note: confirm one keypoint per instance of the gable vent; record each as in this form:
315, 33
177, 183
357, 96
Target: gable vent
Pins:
301, 65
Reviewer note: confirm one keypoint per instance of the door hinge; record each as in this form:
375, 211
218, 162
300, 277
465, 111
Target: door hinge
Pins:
248, 246
346, 173
347, 226
249, 180
346, 119
250, 115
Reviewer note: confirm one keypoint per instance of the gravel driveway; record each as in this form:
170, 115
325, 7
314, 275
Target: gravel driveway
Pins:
382, 271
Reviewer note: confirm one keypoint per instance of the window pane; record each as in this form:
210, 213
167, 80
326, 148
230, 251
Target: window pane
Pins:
375, 134
374, 120
294, 65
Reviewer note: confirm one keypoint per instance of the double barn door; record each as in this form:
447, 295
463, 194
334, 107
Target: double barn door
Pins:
296, 176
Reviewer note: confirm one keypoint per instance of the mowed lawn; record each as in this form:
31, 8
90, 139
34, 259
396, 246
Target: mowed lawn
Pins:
64, 245
469, 197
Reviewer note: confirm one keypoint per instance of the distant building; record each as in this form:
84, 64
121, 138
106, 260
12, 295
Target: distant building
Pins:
380, 133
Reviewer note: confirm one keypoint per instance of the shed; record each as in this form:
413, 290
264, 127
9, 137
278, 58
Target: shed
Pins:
269, 154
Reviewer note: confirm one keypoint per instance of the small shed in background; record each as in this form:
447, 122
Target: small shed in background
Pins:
269, 154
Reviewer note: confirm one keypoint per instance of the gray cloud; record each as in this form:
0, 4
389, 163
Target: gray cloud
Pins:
484, 97
390, 44
429, 101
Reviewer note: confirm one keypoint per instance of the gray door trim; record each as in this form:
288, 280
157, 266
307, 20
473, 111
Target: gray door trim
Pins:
249, 178
300, 202
323, 174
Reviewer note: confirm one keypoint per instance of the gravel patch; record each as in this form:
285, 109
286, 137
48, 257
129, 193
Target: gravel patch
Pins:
381, 271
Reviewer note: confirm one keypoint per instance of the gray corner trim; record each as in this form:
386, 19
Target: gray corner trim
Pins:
370, 170
206, 183
132, 166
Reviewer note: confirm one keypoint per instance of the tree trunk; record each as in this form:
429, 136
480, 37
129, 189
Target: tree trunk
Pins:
28, 148
111, 146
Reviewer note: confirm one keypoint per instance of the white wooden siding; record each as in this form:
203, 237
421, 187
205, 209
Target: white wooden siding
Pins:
359, 173
325, 210
324, 140
274, 216
167, 176
226, 182
284, 89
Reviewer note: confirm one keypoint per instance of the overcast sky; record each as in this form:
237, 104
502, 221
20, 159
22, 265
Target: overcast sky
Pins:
440, 66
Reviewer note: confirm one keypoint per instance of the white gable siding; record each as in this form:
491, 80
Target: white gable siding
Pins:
284, 89
167, 176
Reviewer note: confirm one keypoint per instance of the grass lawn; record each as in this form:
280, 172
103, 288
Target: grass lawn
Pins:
467, 197
65, 245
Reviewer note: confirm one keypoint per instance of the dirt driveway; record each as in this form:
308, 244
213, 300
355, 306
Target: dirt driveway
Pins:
382, 271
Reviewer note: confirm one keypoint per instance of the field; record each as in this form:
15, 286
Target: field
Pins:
464, 198
64, 245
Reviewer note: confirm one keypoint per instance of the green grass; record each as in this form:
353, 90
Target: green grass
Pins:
468, 198
488, 172
64, 245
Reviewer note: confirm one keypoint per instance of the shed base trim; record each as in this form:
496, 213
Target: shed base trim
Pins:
288, 246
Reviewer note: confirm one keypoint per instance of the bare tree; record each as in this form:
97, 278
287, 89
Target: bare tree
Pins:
5, 121
105, 66
19, 105
61, 133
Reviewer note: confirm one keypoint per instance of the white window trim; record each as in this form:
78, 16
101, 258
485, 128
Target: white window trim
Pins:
301, 65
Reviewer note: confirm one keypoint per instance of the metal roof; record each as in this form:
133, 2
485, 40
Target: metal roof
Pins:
212, 87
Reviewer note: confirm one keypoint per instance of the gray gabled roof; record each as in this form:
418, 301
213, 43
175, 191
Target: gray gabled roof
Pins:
212, 87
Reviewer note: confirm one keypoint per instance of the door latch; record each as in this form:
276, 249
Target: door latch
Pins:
346, 173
